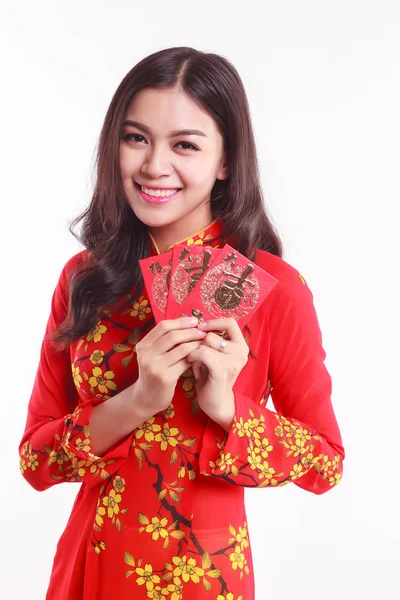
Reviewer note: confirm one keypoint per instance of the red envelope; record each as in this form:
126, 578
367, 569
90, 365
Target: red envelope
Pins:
189, 263
233, 286
156, 271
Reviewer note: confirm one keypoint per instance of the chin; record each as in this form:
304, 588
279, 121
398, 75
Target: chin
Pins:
150, 217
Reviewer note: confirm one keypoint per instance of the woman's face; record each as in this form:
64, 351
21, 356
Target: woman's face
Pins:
160, 158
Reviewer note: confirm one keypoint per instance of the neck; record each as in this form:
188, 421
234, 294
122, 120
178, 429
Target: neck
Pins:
179, 230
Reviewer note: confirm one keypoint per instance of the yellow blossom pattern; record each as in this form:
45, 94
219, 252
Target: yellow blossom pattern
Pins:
184, 573
28, 458
97, 357
76, 376
148, 430
96, 333
140, 308
200, 240
143, 486
102, 381
167, 436
112, 502
290, 455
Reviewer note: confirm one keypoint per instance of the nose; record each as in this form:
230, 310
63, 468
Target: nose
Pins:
155, 164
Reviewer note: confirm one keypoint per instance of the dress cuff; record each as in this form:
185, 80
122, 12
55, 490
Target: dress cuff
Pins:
77, 441
220, 447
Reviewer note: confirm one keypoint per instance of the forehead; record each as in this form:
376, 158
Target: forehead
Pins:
167, 110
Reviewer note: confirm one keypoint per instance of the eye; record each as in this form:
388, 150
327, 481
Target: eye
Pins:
128, 137
188, 144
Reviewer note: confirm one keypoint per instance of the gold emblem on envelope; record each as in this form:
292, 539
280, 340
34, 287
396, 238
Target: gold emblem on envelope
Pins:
160, 283
188, 272
230, 289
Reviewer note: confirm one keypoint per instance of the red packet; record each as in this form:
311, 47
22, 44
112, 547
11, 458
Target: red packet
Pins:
189, 263
156, 272
234, 286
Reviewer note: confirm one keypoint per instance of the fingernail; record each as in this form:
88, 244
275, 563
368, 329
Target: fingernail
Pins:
192, 320
202, 325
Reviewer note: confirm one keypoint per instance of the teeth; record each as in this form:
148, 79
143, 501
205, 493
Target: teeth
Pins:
158, 193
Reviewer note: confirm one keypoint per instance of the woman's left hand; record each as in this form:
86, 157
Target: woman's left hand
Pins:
216, 371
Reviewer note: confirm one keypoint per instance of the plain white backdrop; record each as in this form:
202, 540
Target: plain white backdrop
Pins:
323, 82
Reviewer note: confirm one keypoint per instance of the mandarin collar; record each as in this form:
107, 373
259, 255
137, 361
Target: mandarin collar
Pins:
212, 235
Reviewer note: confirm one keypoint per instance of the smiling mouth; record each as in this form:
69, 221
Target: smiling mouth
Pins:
157, 199
162, 189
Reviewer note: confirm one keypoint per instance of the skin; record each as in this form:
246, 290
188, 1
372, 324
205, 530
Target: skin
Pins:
158, 160
218, 371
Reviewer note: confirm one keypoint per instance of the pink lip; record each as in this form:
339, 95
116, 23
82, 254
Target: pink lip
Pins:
154, 200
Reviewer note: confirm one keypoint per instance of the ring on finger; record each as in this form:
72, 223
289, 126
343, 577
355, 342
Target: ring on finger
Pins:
222, 346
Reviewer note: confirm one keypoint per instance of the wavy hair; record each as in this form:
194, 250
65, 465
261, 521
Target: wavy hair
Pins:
111, 232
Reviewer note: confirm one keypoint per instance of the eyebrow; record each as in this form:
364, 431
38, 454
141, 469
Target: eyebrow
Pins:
172, 134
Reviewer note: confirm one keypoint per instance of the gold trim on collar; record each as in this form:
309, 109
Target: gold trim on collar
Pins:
154, 243
184, 239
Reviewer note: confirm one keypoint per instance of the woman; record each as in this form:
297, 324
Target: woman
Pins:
165, 425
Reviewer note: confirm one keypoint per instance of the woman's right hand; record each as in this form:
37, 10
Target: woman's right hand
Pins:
161, 357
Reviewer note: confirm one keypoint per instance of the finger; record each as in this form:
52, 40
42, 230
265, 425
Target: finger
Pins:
208, 357
196, 366
179, 368
214, 341
169, 359
230, 325
175, 337
203, 373
169, 333
167, 325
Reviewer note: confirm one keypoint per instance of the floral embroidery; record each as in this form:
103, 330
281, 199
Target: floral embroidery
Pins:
140, 308
102, 381
96, 333
185, 572
300, 444
166, 451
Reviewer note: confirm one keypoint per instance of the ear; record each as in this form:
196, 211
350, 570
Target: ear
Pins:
223, 173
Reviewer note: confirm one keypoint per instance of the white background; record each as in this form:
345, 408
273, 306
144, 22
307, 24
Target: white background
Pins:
323, 82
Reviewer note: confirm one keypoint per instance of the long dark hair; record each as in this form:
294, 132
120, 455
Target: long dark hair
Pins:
111, 232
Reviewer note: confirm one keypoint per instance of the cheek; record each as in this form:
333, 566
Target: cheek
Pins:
198, 173
125, 163
122, 165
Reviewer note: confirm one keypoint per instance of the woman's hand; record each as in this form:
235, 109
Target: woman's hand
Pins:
217, 371
162, 358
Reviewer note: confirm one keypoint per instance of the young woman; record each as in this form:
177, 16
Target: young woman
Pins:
165, 425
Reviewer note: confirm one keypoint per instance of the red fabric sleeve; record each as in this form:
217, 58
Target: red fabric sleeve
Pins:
301, 441
56, 445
